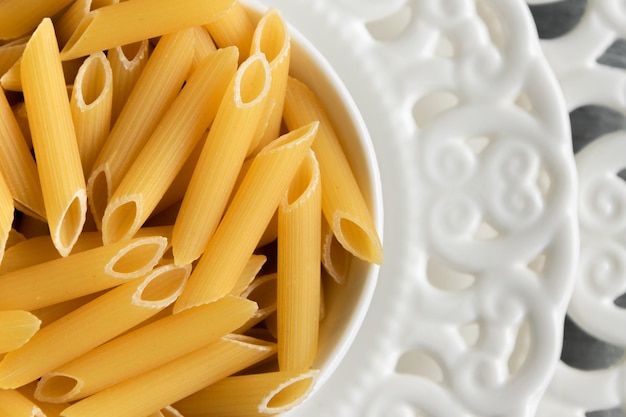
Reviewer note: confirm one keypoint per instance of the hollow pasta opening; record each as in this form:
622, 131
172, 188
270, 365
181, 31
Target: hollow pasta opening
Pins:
132, 50
272, 38
304, 178
163, 285
119, 222
253, 82
99, 196
137, 257
290, 394
72, 222
56, 388
357, 240
94, 81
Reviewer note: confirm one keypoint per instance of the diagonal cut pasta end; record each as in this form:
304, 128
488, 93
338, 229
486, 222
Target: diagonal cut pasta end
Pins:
162, 286
57, 388
16, 328
136, 258
65, 233
121, 219
289, 394
99, 192
363, 242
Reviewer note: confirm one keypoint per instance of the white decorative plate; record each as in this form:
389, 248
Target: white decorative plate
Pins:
473, 143
589, 59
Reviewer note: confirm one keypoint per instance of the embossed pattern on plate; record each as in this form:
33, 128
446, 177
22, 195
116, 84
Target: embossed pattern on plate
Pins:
474, 148
589, 60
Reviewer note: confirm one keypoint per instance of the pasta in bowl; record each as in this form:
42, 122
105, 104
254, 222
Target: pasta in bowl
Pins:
222, 229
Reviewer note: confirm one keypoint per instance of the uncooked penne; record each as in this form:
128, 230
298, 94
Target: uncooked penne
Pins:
62, 279
246, 218
250, 271
343, 204
335, 258
6, 214
235, 124
15, 404
54, 312
269, 393
91, 101
17, 164
298, 268
49, 410
91, 325
127, 63
168, 68
16, 328
149, 392
271, 39
158, 18
264, 293
168, 148
17, 20
233, 28
203, 45
54, 138
10, 53
144, 349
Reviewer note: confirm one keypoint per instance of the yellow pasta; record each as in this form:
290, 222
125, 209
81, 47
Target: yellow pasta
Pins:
158, 18
91, 101
17, 20
91, 325
168, 411
10, 53
67, 23
250, 271
298, 275
16, 328
54, 138
144, 349
168, 148
174, 380
62, 279
6, 214
168, 68
127, 63
272, 39
263, 292
15, 404
221, 159
17, 164
49, 410
19, 111
335, 258
250, 395
342, 202
54, 312
246, 218
203, 45
233, 28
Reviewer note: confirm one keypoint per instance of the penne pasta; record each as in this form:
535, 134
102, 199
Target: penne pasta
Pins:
90, 103
17, 164
272, 39
17, 20
149, 392
54, 138
233, 28
6, 214
249, 273
14, 239
158, 18
168, 411
127, 63
269, 393
144, 349
246, 219
16, 328
335, 258
203, 45
15, 404
10, 53
263, 292
168, 148
91, 325
298, 264
221, 159
168, 68
67, 23
62, 279
54, 312
342, 202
